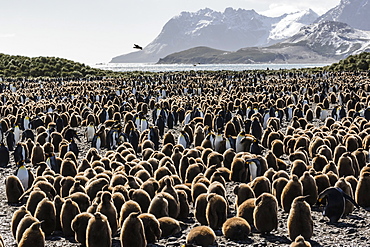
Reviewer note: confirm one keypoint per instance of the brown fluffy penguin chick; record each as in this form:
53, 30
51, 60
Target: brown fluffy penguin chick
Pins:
132, 232
243, 192
14, 189
98, 233
184, 205
107, 208
322, 182
23, 225
34, 199
16, 218
158, 206
142, 197
238, 170
362, 190
79, 226
69, 211
200, 209
245, 210
277, 188
290, 192
45, 213
345, 165
33, 236
299, 220
300, 242
236, 228
216, 211
169, 226
309, 188
260, 185
201, 236
37, 155
265, 213
128, 208
152, 227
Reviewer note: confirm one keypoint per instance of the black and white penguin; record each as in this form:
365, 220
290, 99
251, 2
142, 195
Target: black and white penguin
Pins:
25, 124
183, 139
103, 115
254, 168
112, 139
4, 155
133, 138
28, 134
51, 161
170, 120
20, 152
90, 131
25, 175
160, 124
335, 201
218, 122
71, 134
256, 129
72, 146
154, 136
143, 124
96, 142
256, 148
17, 134
10, 139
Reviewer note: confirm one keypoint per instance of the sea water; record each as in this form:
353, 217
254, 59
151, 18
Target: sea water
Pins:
151, 67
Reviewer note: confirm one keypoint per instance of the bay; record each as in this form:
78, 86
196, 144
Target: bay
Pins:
151, 67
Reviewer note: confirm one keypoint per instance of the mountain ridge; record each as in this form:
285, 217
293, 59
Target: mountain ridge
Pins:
229, 30
321, 42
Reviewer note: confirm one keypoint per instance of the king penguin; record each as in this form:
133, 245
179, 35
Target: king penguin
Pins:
154, 136
143, 124
20, 152
10, 139
183, 139
72, 146
90, 131
96, 142
26, 123
256, 128
17, 134
25, 175
51, 161
335, 202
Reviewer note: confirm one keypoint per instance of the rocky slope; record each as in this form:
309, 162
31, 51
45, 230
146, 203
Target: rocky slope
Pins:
353, 12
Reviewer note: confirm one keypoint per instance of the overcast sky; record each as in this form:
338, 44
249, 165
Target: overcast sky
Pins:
93, 31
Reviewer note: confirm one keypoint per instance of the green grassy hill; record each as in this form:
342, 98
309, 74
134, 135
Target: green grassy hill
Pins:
22, 66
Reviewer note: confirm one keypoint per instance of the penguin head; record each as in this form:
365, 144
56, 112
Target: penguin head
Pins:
21, 164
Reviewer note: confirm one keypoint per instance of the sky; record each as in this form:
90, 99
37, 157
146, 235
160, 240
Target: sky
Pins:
95, 31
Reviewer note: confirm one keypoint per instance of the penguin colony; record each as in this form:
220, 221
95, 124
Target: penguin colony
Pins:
139, 159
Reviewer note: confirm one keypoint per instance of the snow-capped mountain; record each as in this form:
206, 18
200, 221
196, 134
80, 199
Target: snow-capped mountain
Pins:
333, 39
290, 25
229, 30
323, 42
355, 13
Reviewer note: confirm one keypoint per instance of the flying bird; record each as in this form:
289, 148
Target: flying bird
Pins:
138, 47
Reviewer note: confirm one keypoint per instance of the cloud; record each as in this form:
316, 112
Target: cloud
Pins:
7, 35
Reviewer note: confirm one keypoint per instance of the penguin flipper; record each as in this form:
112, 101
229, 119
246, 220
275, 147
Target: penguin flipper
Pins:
347, 197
